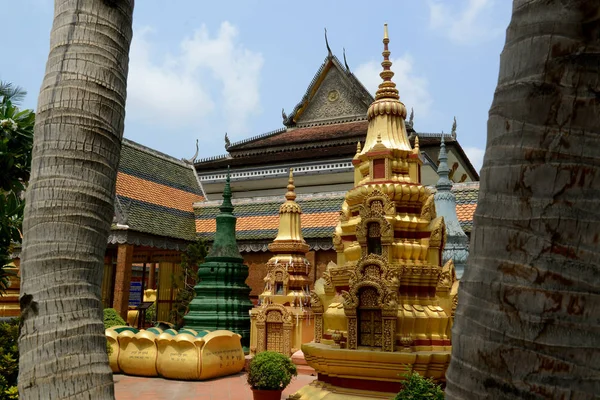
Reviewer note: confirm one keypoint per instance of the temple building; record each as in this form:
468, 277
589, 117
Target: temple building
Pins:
163, 204
457, 243
318, 140
385, 304
222, 299
283, 319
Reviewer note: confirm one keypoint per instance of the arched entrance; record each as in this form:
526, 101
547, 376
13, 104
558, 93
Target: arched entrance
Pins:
370, 321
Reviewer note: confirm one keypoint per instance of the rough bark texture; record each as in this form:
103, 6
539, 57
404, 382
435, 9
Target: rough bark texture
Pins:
69, 203
528, 318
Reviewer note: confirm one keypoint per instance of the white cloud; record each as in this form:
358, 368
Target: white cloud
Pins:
475, 155
207, 75
414, 91
471, 25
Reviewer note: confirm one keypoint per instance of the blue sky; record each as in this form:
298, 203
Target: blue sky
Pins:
199, 69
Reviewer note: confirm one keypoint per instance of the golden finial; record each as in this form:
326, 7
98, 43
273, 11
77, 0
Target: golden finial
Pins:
291, 195
387, 88
358, 148
416, 149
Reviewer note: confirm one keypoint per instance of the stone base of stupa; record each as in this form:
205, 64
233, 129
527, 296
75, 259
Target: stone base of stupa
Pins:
366, 373
301, 364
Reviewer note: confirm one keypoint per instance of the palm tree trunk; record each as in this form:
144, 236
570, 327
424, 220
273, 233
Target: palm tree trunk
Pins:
528, 319
69, 202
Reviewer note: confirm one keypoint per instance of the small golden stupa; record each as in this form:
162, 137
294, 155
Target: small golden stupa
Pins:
388, 303
283, 320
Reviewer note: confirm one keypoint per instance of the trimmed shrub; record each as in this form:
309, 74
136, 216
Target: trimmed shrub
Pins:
112, 318
270, 370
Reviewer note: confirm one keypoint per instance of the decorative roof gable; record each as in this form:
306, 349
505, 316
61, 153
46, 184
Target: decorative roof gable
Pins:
334, 95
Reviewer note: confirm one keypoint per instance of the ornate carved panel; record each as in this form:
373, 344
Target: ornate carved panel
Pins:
370, 328
333, 100
428, 212
438, 230
389, 334
318, 328
369, 298
275, 337
352, 335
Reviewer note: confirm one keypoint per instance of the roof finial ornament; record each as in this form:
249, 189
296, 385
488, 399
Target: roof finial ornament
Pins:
227, 142
194, 157
412, 116
345, 62
329, 53
227, 206
358, 147
291, 195
453, 132
416, 148
284, 115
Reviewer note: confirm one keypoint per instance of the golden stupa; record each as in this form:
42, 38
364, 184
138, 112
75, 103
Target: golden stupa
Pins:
388, 303
283, 320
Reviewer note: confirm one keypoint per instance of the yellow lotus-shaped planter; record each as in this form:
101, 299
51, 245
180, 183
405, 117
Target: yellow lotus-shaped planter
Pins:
138, 352
185, 355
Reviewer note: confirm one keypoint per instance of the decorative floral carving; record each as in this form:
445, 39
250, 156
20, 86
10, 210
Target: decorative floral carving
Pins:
352, 336
315, 302
338, 245
320, 107
447, 277
389, 334
428, 212
438, 230
318, 328
274, 316
369, 297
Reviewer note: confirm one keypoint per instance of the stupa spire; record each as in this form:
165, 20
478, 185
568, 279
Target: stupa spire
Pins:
443, 183
387, 88
289, 237
222, 296
227, 206
387, 113
291, 195
457, 242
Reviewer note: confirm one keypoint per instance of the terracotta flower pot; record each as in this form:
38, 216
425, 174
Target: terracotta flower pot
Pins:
267, 394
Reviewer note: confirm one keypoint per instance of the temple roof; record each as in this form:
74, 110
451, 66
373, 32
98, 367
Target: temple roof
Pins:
155, 194
258, 218
327, 122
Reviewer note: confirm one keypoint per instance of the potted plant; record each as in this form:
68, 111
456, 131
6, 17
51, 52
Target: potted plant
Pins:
269, 373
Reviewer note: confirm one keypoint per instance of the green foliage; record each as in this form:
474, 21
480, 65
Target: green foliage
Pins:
16, 141
151, 313
109, 349
112, 318
190, 260
9, 359
417, 387
270, 370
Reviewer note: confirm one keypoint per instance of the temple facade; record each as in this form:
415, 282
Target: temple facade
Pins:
387, 303
222, 299
283, 318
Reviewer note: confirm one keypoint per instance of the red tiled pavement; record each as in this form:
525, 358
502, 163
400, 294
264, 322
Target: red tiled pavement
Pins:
232, 387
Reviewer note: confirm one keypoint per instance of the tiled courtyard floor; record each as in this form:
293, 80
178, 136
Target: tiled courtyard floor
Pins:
232, 387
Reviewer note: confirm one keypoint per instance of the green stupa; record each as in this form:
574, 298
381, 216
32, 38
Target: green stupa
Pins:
222, 298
